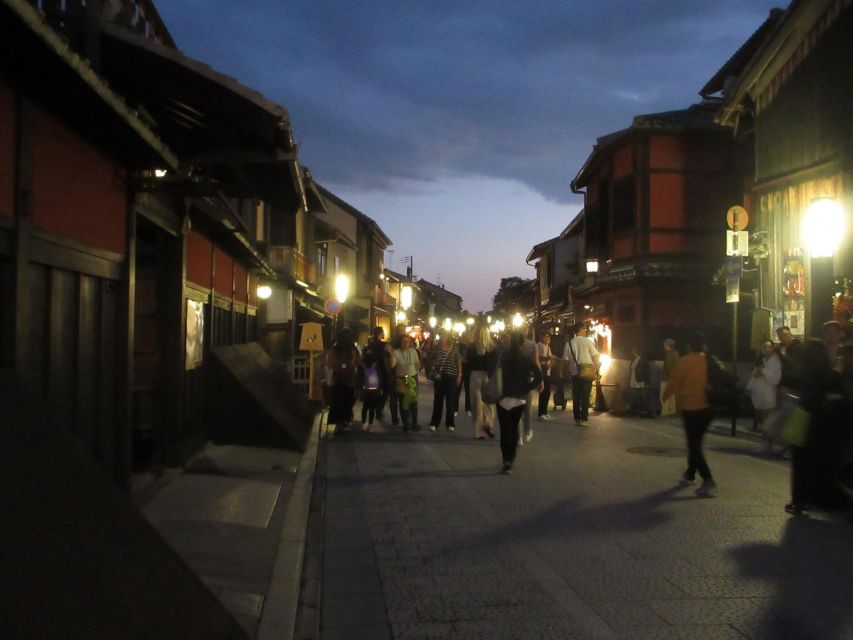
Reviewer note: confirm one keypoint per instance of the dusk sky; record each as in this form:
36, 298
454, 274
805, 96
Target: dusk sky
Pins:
458, 126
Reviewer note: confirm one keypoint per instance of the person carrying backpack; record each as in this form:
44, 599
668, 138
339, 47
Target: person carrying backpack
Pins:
372, 393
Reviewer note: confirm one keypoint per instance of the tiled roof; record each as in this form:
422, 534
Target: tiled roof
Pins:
736, 64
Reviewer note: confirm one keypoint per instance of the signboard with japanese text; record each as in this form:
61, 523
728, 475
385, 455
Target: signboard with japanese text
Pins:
312, 337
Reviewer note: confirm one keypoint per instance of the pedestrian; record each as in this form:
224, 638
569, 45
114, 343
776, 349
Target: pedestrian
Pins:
558, 372
520, 375
378, 351
406, 366
546, 361
369, 380
464, 341
763, 389
446, 374
638, 382
670, 359
525, 432
689, 384
834, 336
481, 359
817, 462
342, 362
846, 472
393, 401
580, 353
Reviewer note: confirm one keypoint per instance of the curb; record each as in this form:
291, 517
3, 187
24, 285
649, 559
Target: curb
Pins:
278, 617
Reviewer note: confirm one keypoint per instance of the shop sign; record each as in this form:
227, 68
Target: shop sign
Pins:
734, 269
312, 337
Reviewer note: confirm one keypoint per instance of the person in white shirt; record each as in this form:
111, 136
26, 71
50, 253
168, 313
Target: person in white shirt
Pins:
546, 359
578, 351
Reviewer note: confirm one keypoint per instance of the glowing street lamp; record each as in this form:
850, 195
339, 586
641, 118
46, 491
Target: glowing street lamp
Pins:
459, 328
592, 266
341, 287
406, 297
264, 291
432, 322
823, 229
448, 324
517, 321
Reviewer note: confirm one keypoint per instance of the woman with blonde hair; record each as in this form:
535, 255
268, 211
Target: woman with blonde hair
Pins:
481, 358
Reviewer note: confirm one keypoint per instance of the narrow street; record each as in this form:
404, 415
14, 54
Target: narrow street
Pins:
588, 538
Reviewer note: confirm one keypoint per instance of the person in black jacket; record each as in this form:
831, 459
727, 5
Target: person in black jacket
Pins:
520, 376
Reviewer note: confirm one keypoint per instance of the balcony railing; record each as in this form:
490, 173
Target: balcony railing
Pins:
292, 262
384, 300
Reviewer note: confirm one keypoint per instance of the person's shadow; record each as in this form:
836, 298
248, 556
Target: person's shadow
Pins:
812, 568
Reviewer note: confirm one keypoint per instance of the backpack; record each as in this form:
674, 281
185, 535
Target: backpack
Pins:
372, 382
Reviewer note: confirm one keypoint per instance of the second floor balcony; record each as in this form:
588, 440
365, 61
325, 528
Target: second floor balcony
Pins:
290, 261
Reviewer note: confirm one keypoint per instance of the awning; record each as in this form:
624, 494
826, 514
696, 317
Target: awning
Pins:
42, 64
243, 140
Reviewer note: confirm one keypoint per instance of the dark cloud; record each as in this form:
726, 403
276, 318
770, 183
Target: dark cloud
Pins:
379, 91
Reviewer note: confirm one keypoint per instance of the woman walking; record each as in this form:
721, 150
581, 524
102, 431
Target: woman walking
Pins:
520, 375
406, 366
670, 359
446, 374
342, 362
815, 463
688, 383
481, 359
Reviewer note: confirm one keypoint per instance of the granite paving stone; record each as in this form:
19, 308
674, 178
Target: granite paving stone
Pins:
426, 539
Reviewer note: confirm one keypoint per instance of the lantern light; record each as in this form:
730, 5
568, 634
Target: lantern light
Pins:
406, 296
264, 291
341, 287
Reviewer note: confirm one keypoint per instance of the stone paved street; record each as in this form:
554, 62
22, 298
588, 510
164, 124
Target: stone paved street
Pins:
424, 538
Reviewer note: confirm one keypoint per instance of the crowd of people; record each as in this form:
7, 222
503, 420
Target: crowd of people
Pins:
793, 383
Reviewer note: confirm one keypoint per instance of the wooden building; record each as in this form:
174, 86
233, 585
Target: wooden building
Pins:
655, 200
136, 193
787, 94
559, 269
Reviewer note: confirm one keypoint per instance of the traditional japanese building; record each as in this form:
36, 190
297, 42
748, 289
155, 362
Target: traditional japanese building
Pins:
137, 190
787, 94
655, 201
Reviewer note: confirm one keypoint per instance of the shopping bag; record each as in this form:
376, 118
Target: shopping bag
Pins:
796, 430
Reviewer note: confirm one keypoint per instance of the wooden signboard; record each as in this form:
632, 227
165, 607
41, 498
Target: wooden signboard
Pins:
312, 337
311, 340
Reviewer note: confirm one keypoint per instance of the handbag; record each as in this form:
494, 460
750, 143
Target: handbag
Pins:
585, 371
796, 429
493, 389
400, 386
435, 374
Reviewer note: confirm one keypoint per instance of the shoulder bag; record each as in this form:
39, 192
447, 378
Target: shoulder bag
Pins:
585, 371
435, 374
493, 390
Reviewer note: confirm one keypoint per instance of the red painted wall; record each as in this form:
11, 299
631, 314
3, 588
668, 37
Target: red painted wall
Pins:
77, 192
224, 277
623, 162
199, 252
7, 150
253, 290
240, 286
623, 247
667, 200
666, 152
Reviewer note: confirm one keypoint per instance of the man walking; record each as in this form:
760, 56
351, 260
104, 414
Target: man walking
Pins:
580, 350
688, 383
